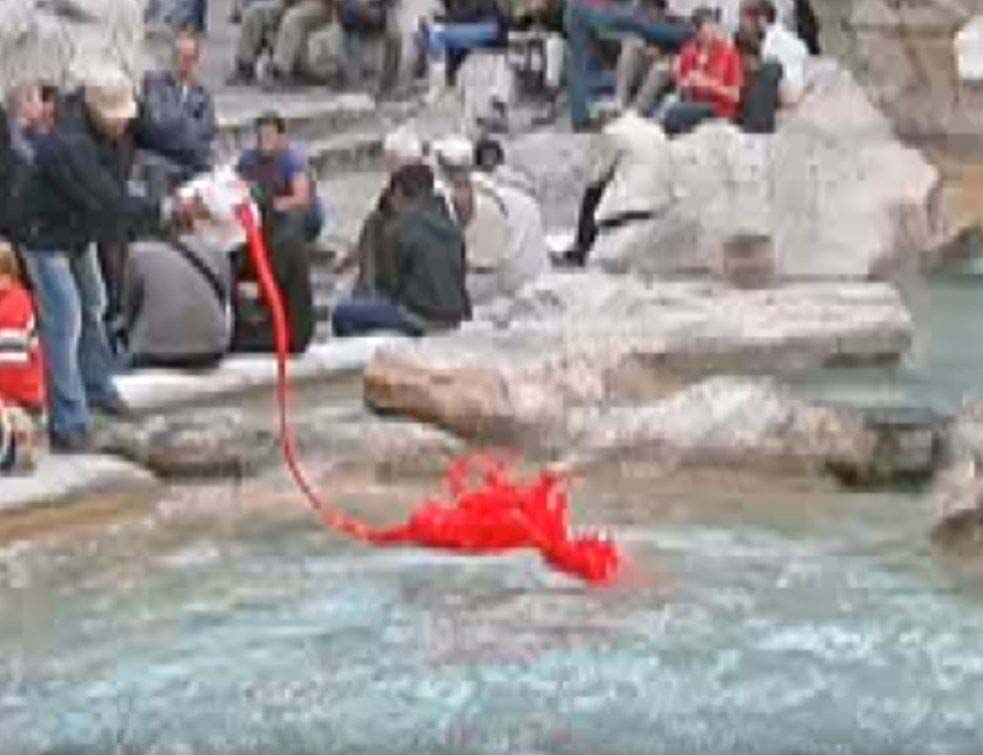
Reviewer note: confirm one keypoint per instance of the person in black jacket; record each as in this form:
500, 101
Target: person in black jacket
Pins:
420, 282
81, 167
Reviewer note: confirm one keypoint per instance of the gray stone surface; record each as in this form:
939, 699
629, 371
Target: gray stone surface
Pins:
56, 40
149, 390
957, 497
61, 478
758, 425
559, 167
216, 443
579, 339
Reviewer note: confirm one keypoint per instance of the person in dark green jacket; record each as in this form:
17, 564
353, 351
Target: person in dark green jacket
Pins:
420, 280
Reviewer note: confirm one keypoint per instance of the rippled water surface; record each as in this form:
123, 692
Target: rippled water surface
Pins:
811, 623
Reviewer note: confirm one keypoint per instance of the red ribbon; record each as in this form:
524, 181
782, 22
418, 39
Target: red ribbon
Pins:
487, 511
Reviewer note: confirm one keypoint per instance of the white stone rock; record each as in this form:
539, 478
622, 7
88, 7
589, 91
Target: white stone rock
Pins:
968, 46
54, 40
60, 478
588, 338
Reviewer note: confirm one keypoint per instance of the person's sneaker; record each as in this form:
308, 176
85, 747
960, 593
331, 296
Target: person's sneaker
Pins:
72, 442
114, 407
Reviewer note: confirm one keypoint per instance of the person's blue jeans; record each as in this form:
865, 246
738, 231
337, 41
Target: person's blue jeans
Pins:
195, 14
71, 300
683, 117
583, 22
452, 42
446, 38
360, 316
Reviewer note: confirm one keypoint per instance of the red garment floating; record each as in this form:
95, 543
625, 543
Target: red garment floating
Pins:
487, 511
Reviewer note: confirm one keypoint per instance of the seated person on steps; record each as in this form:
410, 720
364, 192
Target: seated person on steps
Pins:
419, 285
284, 26
177, 302
708, 76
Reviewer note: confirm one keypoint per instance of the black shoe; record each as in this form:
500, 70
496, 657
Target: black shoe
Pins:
73, 442
243, 75
114, 407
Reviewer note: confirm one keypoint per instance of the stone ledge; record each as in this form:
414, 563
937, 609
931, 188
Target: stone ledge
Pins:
238, 109
58, 478
148, 390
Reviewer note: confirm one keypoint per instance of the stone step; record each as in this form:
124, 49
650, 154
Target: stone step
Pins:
310, 116
361, 151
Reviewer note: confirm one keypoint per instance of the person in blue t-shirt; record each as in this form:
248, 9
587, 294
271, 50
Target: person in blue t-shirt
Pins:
292, 219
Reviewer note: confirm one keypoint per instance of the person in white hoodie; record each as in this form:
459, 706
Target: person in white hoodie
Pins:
528, 257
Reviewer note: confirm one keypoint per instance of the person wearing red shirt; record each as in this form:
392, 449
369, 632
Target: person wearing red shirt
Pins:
709, 77
21, 363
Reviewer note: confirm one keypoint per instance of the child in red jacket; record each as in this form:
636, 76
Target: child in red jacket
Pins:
21, 369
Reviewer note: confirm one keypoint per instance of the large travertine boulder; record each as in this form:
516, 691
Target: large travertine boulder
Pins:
55, 40
833, 189
587, 339
957, 499
758, 424
918, 60
559, 167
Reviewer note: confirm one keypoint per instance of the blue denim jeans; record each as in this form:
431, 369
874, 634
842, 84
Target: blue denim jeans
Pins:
448, 38
683, 117
360, 316
583, 22
195, 14
71, 300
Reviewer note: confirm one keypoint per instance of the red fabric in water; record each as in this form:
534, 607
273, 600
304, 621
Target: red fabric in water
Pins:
487, 511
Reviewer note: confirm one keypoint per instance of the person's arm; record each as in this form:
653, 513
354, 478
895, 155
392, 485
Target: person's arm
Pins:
74, 171
133, 297
300, 194
727, 85
391, 263
206, 126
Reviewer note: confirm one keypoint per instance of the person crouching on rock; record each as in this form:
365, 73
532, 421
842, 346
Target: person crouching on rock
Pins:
280, 179
177, 303
22, 392
420, 283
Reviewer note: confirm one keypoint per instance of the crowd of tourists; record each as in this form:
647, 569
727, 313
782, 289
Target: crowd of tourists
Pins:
120, 233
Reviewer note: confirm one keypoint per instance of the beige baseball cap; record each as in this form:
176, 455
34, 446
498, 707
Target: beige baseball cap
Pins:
109, 93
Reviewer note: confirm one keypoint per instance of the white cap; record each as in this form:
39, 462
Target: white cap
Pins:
454, 152
404, 146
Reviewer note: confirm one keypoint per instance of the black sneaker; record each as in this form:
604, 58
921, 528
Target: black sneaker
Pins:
243, 75
73, 442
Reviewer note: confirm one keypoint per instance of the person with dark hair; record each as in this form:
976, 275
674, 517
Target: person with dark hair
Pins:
420, 287
708, 77
778, 46
488, 155
279, 177
759, 93
584, 20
